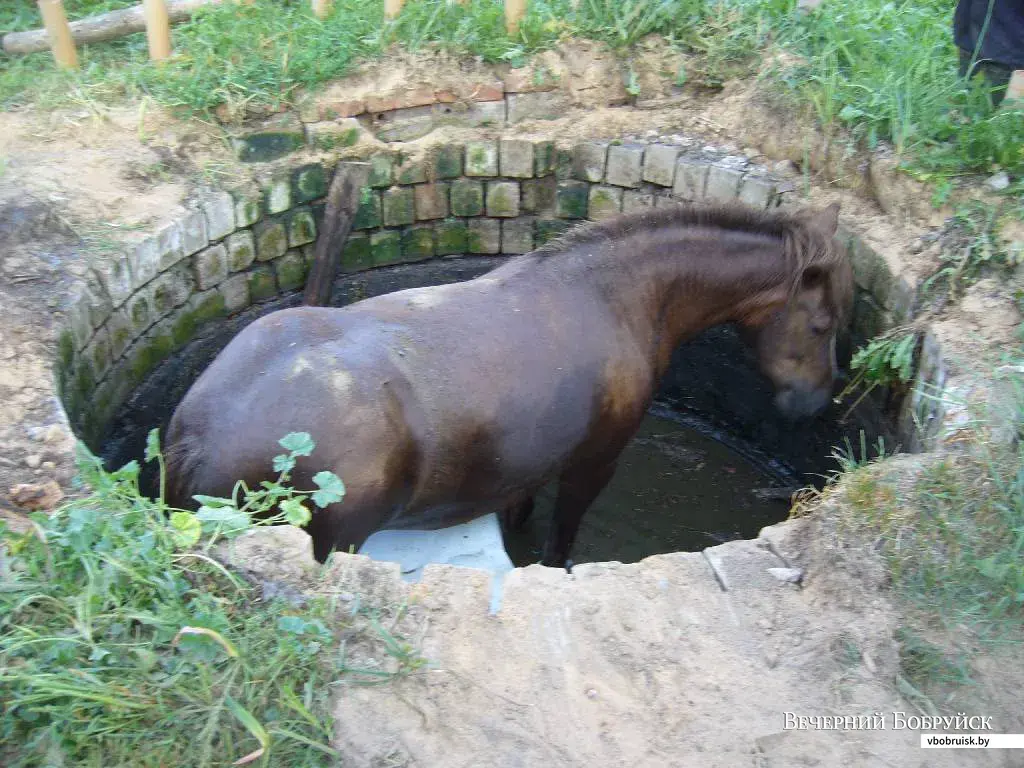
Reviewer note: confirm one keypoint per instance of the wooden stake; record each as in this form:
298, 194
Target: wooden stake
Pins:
59, 33
322, 8
158, 29
102, 27
342, 204
392, 8
515, 10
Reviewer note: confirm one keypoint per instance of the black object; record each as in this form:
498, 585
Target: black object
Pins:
990, 36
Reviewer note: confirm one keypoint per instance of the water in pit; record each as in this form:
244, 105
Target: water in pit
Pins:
677, 489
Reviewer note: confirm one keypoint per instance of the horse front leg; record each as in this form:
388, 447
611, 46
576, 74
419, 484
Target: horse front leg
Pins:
577, 489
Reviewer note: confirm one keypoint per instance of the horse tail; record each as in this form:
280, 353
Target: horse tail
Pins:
183, 456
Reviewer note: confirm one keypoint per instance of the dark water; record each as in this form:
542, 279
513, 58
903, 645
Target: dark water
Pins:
685, 483
675, 489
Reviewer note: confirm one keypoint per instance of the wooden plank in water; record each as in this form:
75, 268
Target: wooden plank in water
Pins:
342, 202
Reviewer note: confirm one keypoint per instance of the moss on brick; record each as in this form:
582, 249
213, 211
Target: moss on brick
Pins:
368, 215
452, 237
572, 199
467, 197
356, 255
418, 243
448, 161
548, 229
150, 352
310, 182
262, 284
301, 228
291, 271
386, 247
381, 170
399, 207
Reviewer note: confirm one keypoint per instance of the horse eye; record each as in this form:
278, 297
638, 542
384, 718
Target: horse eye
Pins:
820, 326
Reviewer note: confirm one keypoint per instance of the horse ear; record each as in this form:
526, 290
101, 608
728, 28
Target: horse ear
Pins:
827, 219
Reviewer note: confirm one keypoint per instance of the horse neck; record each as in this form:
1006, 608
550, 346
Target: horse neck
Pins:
669, 286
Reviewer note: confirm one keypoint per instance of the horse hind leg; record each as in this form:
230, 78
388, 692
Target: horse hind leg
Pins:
514, 517
577, 489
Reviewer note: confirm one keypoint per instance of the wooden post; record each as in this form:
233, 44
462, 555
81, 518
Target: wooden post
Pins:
59, 33
342, 204
322, 8
514, 12
158, 29
391, 8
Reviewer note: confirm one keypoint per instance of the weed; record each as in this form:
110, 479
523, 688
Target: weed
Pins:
885, 361
122, 644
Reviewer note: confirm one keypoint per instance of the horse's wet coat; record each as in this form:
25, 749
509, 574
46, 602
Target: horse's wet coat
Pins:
437, 405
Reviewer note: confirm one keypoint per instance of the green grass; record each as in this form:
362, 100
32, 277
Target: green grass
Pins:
884, 71
122, 642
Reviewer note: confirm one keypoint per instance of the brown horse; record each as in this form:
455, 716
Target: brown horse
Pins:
437, 405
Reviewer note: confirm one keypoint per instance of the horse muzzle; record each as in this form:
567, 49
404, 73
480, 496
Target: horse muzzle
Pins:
798, 403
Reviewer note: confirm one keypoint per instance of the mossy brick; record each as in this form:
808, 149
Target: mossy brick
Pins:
386, 247
548, 229
262, 283
65, 351
483, 236
291, 270
565, 162
368, 214
247, 209
515, 158
309, 182
517, 235
241, 250
210, 266
148, 352
548, 105
114, 273
544, 158
356, 255
381, 171
399, 204
538, 195
235, 291
271, 239
503, 199
448, 161
572, 198
219, 210
418, 242
309, 256
276, 138
140, 311
301, 227
171, 289
431, 201
482, 158
634, 201
202, 308
467, 197
144, 261
589, 159
660, 164
169, 245
757, 191
691, 179
723, 183
604, 203
193, 232
333, 134
98, 305
452, 237
277, 193
83, 380
411, 170
625, 165
98, 352
119, 327
869, 267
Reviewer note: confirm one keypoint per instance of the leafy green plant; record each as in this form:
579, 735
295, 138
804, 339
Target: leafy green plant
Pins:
885, 361
123, 642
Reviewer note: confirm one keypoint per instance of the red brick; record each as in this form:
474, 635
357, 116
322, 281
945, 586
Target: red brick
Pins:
488, 92
445, 97
341, 108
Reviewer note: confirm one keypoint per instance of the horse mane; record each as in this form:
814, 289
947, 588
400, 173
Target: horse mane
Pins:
803, 244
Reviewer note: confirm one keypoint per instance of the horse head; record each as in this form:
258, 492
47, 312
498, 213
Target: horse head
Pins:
796, 344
